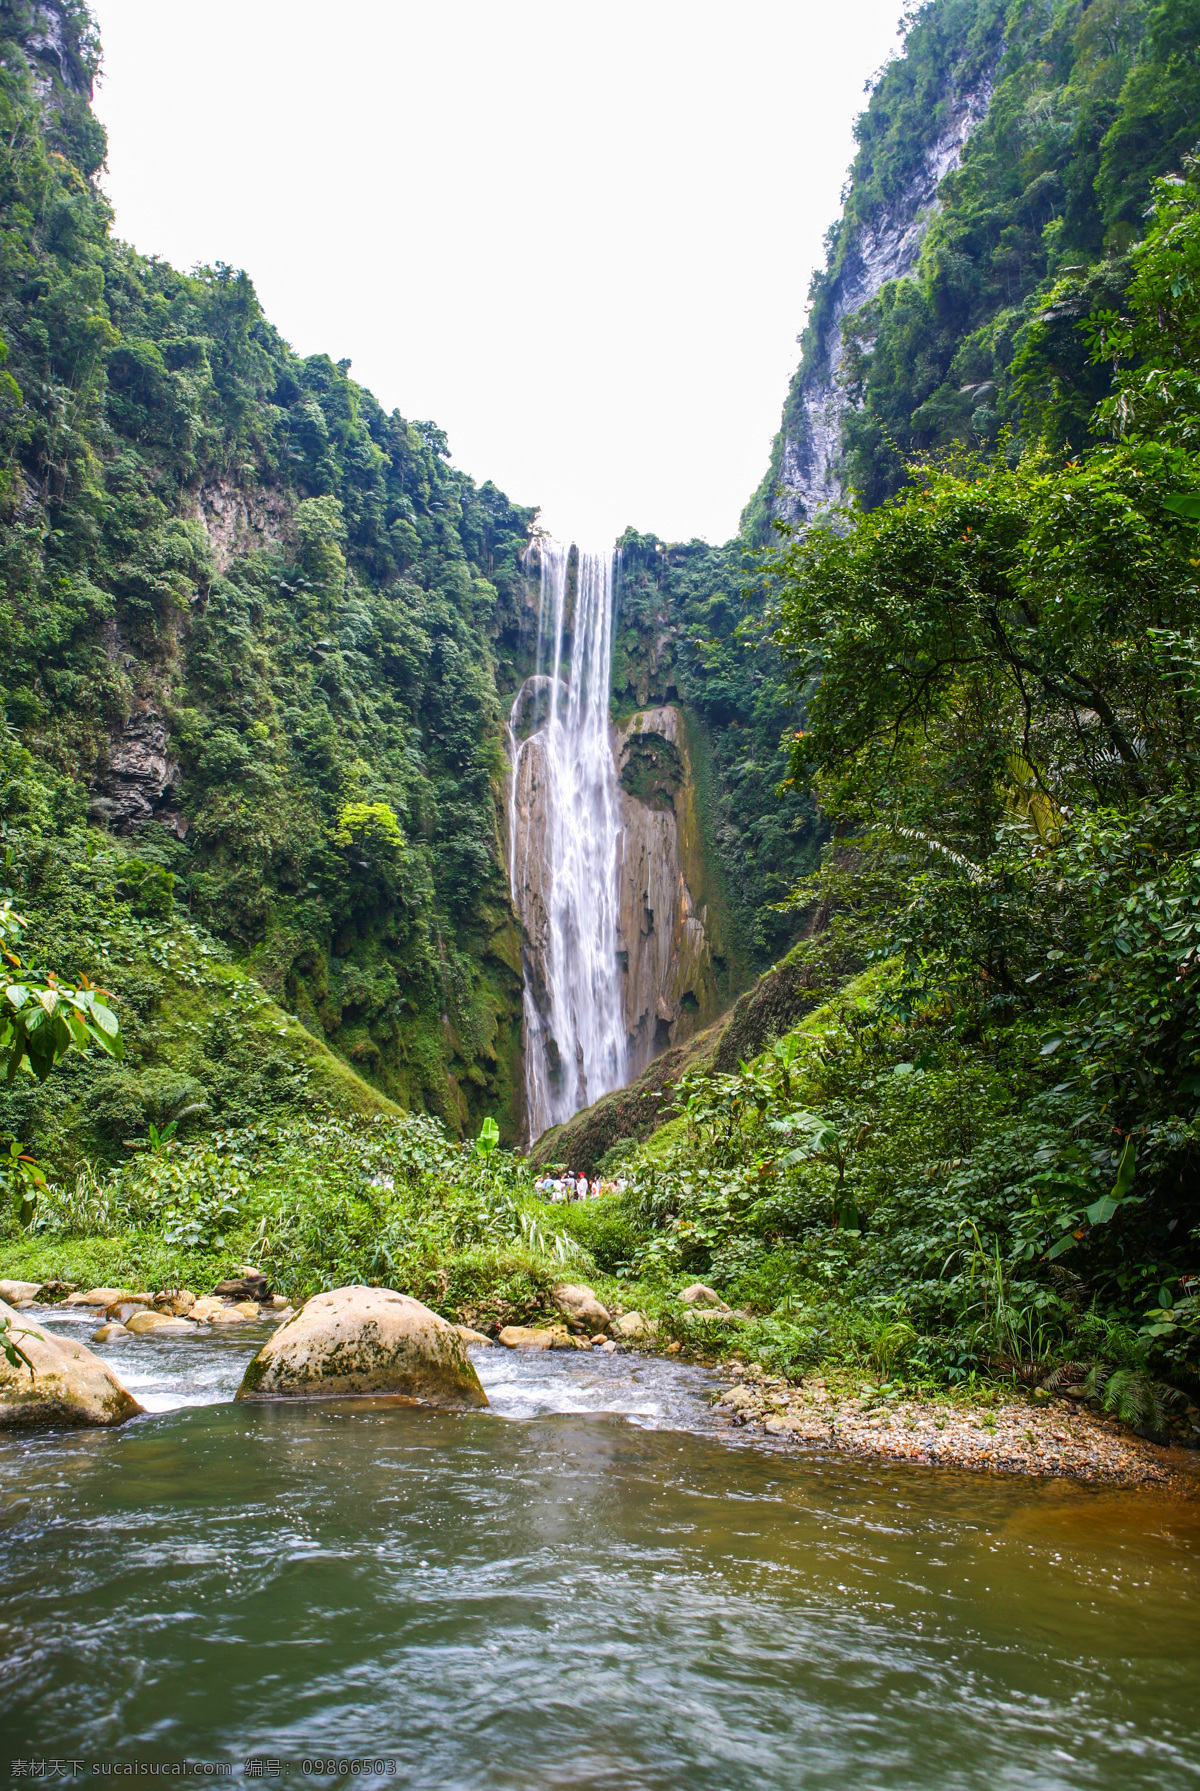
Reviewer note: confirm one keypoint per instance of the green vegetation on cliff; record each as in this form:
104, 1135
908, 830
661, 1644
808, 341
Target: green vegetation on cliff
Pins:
693, 626
256, 630
1081, 107
981, 1153
251, 615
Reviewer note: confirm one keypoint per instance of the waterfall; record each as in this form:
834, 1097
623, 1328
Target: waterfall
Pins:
565, 842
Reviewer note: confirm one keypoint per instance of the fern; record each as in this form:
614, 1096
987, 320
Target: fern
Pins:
1131, 1395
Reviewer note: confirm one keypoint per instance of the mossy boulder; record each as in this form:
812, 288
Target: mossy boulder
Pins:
580, 1307
360, 1341
69, 1384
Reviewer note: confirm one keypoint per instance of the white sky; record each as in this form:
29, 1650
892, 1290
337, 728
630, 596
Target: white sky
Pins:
577, 236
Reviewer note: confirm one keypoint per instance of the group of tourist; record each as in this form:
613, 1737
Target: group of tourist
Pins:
575, 1187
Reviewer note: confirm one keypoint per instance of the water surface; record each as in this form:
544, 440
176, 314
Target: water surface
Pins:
587, 1586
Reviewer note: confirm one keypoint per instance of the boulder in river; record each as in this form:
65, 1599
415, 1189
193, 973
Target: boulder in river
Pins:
69, 1384
204, 1308
178, 1301
111, 1331
580, 1307
241, 1314
365, 1340
147, 1323
98, 1296
538, 1337
120, 1310
13, 1293
470, 1336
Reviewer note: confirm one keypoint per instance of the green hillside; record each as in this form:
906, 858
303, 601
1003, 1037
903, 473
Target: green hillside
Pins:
293, 706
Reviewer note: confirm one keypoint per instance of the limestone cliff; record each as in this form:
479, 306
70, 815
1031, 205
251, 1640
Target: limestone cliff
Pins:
631, 957
877, 241
672, 953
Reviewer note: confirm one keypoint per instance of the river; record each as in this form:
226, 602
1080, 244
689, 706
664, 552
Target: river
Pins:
591, 1585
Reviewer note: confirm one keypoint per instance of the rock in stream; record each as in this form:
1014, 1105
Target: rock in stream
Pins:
69, 1384
365, 1340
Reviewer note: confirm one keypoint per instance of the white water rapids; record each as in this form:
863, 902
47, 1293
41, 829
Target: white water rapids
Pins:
565, 843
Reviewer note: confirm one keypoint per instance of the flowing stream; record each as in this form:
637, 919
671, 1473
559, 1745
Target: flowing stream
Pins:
564, 845
590, 1585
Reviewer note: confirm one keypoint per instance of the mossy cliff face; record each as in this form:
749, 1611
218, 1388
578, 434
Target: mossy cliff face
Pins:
680, 958
243, 606
673, 947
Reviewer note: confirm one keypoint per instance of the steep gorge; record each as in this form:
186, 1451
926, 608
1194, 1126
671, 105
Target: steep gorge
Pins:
263, 642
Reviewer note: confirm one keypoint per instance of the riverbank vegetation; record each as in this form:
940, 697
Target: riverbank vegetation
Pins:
981, 1154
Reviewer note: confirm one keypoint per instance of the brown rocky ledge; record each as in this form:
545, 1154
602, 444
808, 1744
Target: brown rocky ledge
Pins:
1012, 1437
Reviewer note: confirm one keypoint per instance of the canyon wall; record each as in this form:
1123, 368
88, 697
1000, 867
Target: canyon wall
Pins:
885, 248
925, 108
674, 962
613, 874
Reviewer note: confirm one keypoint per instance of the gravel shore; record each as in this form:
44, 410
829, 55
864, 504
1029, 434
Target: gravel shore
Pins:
1014, 1437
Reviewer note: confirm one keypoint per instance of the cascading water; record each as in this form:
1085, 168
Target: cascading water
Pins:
565, 843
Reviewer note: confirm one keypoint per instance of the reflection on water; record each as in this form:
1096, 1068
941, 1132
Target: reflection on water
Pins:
583, 1587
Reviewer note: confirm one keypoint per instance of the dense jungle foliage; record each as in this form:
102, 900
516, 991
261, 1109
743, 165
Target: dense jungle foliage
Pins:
982, 1152
1089, 103
250, 614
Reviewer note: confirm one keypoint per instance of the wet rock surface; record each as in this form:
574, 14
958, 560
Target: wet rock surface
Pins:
103, 1297
14, 1293
580, 1307
365, 1340
178, 1301
68, 1385
145, 1319
537, 1337
666, 930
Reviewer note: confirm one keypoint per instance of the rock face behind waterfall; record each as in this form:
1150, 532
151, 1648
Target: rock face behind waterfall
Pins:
364, 1340
622, 940
670, 933
69, 1384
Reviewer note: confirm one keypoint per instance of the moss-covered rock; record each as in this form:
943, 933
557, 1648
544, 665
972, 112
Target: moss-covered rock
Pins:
365, 1340
68, 1385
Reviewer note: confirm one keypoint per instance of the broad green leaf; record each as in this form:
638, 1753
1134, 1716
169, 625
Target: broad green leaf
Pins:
1125, 1171
489, 1137
106, 1020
